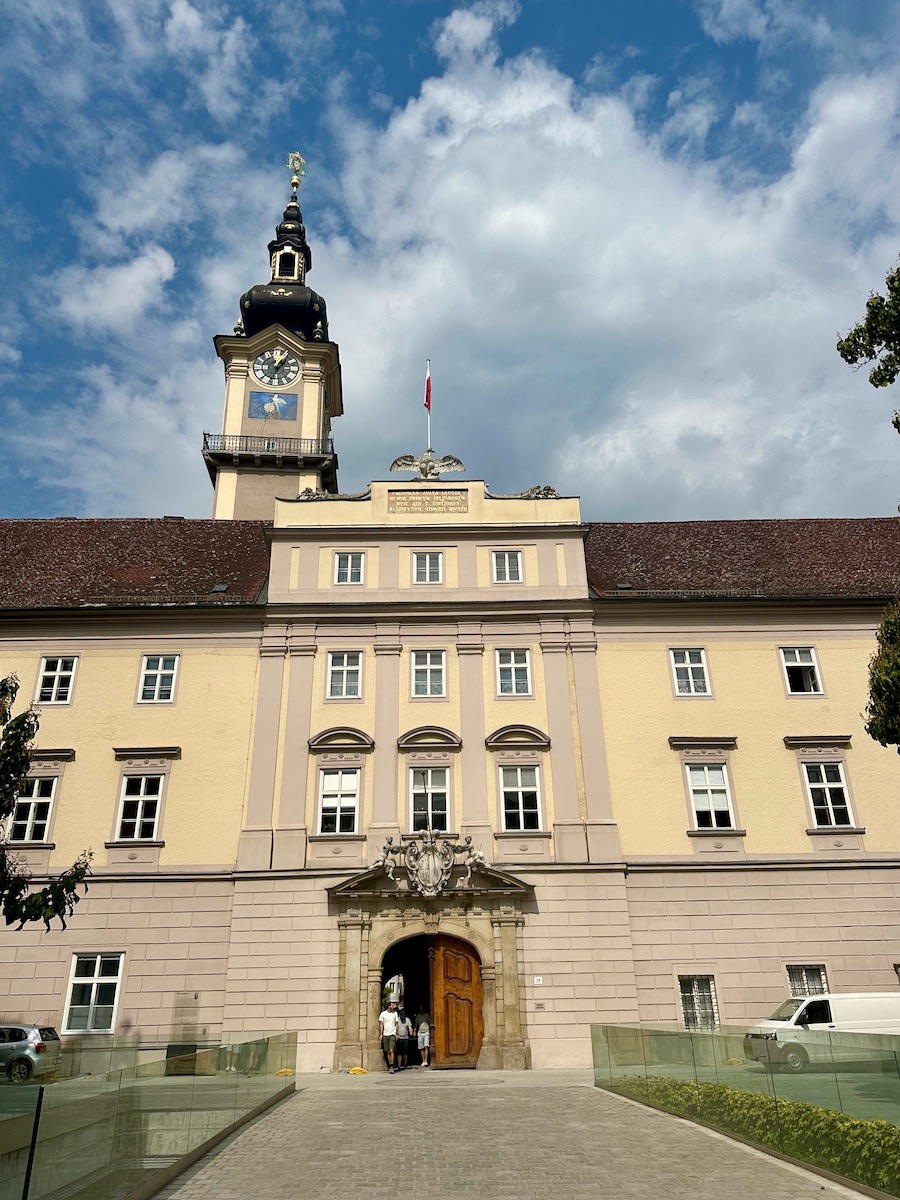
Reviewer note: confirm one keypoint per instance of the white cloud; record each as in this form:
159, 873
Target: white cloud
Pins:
114, 297
605, 316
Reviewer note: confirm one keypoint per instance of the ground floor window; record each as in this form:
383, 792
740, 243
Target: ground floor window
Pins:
807, 980
699, 1009
93, 993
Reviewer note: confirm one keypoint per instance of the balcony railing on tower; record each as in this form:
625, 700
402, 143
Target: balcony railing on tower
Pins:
230, 443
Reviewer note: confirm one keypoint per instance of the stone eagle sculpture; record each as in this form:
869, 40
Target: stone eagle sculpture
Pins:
428, 466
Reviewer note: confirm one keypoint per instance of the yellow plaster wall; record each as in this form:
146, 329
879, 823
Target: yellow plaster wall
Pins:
210, 720
749, 702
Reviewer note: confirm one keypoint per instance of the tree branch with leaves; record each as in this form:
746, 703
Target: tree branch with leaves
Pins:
883, 709
876, 339
19, 900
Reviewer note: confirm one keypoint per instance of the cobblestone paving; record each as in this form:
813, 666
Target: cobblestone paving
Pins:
486, 1136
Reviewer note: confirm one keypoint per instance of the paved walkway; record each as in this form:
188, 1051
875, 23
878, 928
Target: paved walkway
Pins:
485, 1135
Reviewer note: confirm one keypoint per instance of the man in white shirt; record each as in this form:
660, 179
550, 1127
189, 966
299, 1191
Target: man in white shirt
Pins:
387, 1027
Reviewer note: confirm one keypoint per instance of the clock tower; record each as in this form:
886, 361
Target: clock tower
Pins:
282, 385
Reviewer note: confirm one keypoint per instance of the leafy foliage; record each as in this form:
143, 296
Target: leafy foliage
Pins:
883, 709
19, 902
866, 1151
877, 337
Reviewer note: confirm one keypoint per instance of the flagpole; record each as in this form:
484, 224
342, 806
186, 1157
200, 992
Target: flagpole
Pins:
428, 445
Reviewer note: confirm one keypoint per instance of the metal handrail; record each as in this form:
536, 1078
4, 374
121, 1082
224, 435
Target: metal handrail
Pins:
230, 443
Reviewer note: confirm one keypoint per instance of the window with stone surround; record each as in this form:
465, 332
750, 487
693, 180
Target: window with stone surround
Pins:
513, 673
338, 800
93, 993
56, 680
706, 773
520, 790
689, 672
699, 1007
429, 676
710, 797
807, 980
139, 809
429, 798
507, 566
428, 566
801, 671
344, 674
826, 790
349, 567
158, 673
31, 816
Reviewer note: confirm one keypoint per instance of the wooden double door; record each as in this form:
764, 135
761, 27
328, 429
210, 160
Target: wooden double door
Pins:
457, 1003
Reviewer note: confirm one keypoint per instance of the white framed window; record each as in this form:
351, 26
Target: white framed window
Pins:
428, 566
56, 680
338, 799
807, 980
344, 674
514, 672
689, 671
507, 566
139, 810
349, 567
699, 1008
31, 814
429, 797
429, 676
521, 798
710, 798
158, 673
801, 671
93, 993
827, 792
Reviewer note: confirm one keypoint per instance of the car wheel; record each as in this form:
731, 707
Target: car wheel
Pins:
19, 1071
794, 1058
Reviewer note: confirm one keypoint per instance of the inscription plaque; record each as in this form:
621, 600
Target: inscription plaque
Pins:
425, 501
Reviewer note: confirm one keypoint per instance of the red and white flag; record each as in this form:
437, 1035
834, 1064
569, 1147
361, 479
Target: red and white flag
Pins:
428, 384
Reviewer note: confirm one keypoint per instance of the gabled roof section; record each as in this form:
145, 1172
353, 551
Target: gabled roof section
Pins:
829, 558
67, 562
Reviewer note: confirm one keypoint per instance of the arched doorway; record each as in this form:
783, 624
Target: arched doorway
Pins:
441, 975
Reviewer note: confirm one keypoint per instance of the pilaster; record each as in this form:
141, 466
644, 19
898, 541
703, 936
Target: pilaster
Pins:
473, 821
384, 822
569, 843
289, 843
602, 833
255, 845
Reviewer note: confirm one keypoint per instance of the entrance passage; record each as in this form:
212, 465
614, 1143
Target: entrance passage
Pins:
441, 975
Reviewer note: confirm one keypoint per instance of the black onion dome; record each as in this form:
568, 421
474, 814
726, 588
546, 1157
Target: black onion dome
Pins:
293, 305
284, 300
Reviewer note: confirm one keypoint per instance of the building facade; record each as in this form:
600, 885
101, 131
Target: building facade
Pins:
535, 771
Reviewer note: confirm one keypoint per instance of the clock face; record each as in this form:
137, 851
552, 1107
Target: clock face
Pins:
276, 367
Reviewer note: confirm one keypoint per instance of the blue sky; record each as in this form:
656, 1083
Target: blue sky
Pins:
626, 233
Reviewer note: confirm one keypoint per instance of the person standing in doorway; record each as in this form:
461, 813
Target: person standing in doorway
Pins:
423, 1035
404, 1033
388, 1023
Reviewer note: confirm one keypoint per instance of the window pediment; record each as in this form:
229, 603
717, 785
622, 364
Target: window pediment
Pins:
341, 737
512, 736
429, 737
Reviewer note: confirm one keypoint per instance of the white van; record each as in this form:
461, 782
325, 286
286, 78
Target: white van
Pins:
798, 1030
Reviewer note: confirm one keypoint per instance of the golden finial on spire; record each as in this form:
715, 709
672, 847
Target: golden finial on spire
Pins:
297, 164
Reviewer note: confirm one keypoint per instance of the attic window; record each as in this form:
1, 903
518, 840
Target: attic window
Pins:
219, 587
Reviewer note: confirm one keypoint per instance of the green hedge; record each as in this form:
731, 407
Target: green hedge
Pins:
865, 1151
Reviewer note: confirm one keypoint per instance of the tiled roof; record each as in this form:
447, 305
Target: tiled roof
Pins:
856, 558
71, 563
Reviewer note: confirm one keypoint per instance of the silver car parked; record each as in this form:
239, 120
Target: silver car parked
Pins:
27, 1050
